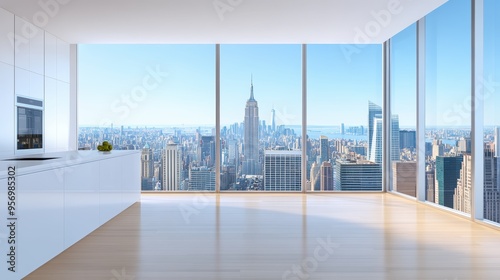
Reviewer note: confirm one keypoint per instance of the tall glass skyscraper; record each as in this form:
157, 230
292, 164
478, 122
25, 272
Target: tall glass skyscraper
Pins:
447, 173
374, 111
251, 147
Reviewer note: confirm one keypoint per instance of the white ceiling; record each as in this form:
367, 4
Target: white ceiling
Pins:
242, 21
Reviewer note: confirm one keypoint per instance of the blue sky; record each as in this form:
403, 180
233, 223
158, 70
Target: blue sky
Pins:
174, 85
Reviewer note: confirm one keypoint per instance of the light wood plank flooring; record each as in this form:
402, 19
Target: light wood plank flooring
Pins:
281, 236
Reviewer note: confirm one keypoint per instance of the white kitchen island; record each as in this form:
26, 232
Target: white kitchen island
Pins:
59, 201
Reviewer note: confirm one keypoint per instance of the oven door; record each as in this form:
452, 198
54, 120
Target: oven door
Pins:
29, 125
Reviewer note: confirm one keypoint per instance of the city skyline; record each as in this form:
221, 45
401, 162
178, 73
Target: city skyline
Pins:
279, 91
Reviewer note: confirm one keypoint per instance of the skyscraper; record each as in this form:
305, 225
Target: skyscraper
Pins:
404, 177
395, 149
375, 152
491, 186
326, 175
464, 145
358, 176
374, 111
462, 195
447, 174
251, 138
407, 139
147, 170
273, 121
315, 177
497, 141
324, 149
206, 151
201, 179
171, 167
375, 134
282, 170
437, 148
430, 190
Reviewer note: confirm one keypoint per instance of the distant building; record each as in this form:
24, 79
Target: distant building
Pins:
324, 149
447, 174
358, 176
147, 168
172, 164
407, 139
464, 145
374, 111
206, 151
326, 175
437, 149
462, 195
201, 179
491, 186
251, 138
375, 134
430, 179
428, 149
405, 177
282, 170
497, 141
315, 177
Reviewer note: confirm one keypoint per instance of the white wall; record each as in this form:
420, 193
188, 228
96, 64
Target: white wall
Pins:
34, 64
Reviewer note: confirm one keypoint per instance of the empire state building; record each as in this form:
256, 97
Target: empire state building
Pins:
251, 141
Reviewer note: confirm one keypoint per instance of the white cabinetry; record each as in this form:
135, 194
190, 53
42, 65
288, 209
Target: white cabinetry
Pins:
40, 229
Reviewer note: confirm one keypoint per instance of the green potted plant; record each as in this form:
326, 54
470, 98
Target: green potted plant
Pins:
105, 147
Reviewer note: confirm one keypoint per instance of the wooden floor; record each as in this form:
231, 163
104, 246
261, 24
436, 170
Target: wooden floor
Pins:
281, 236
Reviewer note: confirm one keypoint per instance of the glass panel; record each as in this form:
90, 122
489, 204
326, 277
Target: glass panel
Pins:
448, 105
261, 116
491, 84
344, 146
156, 98
403, 110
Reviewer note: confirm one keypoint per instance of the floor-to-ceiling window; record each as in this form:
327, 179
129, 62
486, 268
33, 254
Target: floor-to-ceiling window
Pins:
403, 73
261, 117
344, 116
156, 98
448, 105
491, 87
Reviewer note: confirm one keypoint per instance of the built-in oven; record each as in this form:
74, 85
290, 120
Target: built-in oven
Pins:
29, 124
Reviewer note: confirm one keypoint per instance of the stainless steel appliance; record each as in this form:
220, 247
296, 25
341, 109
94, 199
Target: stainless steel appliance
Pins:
29, 124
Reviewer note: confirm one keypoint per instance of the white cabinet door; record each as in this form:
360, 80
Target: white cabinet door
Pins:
7, 130
37, 52
50, 112
110, 188
50, 55
131, 179
63, 116
62, 61
37, 87
41, 219
7, 39
81, 201
22, 82
23, 32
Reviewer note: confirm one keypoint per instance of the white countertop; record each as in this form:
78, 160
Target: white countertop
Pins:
62, 159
